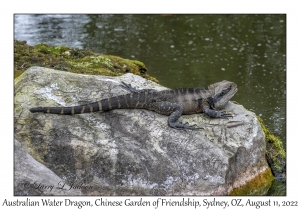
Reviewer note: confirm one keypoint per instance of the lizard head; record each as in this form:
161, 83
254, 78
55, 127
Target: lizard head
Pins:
221, 93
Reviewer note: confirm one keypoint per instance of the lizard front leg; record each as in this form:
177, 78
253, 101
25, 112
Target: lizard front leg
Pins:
215, 114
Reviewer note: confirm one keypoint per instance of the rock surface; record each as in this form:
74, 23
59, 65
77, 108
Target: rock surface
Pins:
131, 151
33, 178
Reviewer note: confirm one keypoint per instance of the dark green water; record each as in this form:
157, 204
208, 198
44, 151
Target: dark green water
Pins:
185, 51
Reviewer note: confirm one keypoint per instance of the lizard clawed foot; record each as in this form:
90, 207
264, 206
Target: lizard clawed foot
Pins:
128, 87
225, 114
216, 114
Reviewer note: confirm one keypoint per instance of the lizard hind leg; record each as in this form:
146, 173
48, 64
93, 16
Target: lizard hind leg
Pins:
175, 115
131, 89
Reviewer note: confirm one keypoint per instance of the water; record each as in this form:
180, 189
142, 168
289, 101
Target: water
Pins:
185, 51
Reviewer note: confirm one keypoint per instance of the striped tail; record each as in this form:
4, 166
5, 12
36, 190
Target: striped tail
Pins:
87, 108
118, 102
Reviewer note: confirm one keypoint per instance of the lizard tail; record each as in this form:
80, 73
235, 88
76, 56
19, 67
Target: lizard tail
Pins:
87, 108
117, 102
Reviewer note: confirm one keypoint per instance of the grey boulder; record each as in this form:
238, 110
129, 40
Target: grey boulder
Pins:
128, 151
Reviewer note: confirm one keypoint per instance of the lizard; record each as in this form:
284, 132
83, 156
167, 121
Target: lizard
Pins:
172, 102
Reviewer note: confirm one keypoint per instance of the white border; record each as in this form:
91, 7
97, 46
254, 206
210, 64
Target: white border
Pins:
8, 8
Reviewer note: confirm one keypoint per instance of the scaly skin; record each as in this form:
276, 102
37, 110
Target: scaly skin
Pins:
173, 103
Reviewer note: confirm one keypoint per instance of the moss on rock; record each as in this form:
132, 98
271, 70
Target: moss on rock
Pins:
275, 153
257, 186
73, 60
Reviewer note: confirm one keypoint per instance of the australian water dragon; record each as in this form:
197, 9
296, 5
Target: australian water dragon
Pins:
173, 103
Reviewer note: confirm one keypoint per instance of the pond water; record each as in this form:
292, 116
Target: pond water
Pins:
185, 51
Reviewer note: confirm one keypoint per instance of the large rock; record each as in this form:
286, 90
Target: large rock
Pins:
132, 151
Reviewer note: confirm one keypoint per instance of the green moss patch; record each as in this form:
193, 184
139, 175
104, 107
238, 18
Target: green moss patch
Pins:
257, 186
73, 60
275, 153
278, 188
